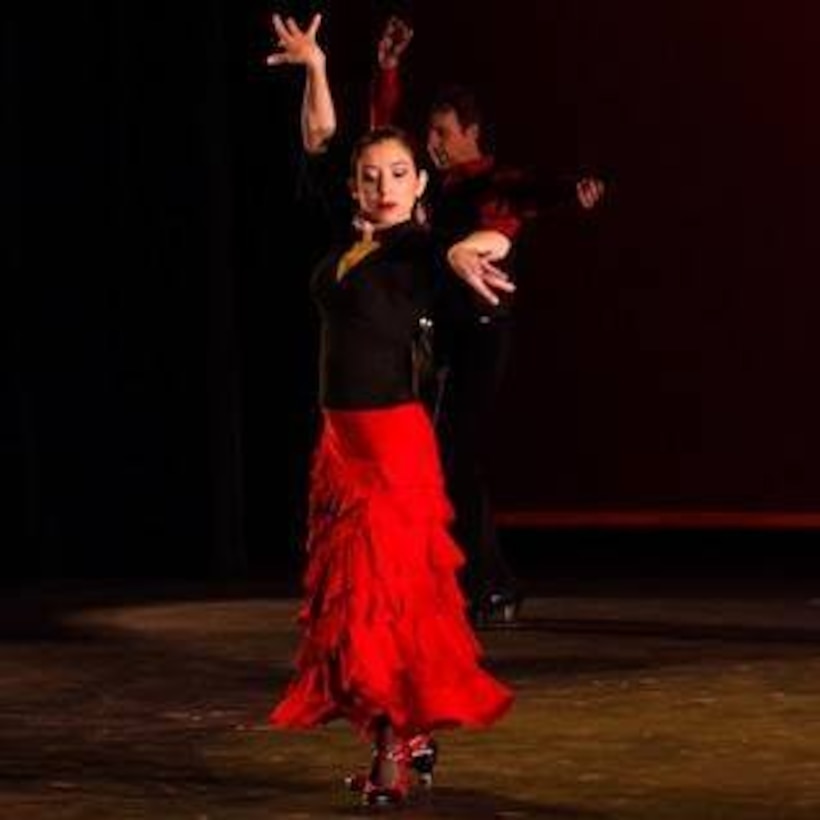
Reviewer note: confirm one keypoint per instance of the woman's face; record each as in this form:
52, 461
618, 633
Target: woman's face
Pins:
387, 183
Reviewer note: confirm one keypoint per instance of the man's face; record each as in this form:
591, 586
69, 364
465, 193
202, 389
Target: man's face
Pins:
448, 143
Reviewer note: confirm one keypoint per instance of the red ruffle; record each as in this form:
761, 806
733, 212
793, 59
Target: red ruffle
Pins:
384, 624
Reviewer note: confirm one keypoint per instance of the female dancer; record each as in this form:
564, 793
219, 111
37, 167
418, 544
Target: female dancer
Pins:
386, 643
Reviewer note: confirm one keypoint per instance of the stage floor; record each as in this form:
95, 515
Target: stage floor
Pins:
121, 702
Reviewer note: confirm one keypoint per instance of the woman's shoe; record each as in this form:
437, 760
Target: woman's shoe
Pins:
355, 782
380, 791
423, 751
421, 754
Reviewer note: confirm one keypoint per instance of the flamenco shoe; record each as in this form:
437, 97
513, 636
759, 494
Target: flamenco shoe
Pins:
355, 782
423, 751
392, 791
419, 755
497, 608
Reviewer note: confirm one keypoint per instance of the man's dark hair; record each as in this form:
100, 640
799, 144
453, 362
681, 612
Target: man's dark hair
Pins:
462, 101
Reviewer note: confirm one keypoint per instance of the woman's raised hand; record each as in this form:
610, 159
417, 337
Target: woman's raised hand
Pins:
295, 46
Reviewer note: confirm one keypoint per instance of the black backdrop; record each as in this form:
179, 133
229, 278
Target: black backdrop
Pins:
155, 315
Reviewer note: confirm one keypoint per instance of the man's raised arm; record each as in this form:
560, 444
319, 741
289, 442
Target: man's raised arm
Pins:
385, 92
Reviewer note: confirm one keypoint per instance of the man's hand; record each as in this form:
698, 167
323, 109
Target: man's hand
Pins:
296, 46
395, 39
588, 192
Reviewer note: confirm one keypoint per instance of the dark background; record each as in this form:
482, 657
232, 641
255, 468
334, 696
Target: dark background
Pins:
154, 304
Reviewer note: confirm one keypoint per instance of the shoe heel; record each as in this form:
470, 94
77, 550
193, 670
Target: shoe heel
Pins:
379, 795
356, 782
423, 757
511, 610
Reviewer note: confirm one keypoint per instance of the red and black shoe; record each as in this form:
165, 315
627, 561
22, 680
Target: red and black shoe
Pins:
388, 783
418, 755
423, 752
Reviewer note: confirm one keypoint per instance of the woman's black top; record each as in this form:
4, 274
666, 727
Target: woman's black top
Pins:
372, 319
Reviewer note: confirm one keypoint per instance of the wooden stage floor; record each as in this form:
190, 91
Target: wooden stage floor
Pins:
128, 703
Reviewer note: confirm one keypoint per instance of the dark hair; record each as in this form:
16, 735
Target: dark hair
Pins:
383, 134
462, 101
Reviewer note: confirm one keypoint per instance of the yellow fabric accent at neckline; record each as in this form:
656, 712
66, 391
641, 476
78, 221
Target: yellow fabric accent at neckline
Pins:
354, 255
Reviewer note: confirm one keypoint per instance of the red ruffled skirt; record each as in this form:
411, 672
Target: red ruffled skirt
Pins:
384, 625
